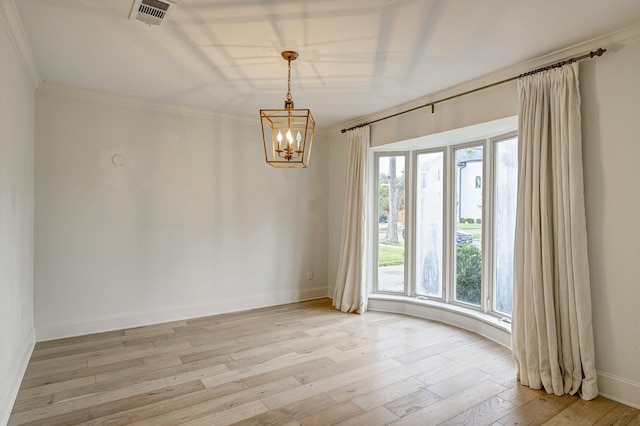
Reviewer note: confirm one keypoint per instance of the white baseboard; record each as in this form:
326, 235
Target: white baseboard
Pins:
618, 389
81, 326
9, 391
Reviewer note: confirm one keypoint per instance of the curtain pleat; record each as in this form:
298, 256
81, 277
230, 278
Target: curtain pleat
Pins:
350, 293
552, 333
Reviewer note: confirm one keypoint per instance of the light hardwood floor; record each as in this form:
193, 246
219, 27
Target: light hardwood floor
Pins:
297, 364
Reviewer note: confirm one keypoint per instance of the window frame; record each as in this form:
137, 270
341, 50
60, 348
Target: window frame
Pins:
448, 149
452, 217
375, 223
491, 292
413, 287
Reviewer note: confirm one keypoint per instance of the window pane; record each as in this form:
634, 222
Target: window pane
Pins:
506, 172
391, 184
429, 202
468, 238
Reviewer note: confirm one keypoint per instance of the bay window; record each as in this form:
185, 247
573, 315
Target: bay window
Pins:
446, 221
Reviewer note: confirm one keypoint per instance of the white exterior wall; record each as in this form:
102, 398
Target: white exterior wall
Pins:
470, 196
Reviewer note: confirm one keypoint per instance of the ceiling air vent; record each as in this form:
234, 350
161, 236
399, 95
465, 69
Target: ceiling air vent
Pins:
151, 12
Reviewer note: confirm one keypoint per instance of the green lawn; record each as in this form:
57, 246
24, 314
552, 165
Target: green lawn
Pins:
470, 227
390, 255
466, 226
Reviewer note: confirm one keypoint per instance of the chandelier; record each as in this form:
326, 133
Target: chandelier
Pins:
287, 133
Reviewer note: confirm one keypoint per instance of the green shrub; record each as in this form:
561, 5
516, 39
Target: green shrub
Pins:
478, 221
468, 273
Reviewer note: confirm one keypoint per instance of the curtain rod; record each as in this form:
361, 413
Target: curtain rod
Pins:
562, 63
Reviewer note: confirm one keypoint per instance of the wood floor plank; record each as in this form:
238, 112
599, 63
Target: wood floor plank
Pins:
49, 389
42, 356
447, 408
168, 405
329, 383
211, 407
332, 415
79, 339
168, 326
172, 376
56, 409
620, 415
438, 347
167, 337
82, 371
313, 342
287, 414
244, 360
520, 395
34, 371
139, 352
88, 345
138, 370
266, 367
485, 413
232, 348
231, 416
341, 365
583, 412
91, 413
90, 357
287, 371
458, 382
386, 394
412, 402
290, 365
377, 417
538, 410
368, 384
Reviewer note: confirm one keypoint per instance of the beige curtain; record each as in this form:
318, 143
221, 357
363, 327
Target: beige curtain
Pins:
351, 292
552, 335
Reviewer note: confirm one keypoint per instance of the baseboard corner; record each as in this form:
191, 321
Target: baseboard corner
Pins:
619, 389
9, 391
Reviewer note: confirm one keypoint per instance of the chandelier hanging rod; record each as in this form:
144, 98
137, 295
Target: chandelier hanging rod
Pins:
289, 55
598, 52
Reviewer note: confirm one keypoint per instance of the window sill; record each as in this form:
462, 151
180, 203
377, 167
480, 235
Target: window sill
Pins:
485, 325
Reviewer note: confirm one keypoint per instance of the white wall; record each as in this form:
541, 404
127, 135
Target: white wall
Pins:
336, 167
16, 221
611, 129
193, 223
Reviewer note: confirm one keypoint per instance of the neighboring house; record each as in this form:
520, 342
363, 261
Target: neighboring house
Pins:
469, 180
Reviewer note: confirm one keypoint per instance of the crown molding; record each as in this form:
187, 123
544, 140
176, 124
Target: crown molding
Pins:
613, 42
133, 102
15, 31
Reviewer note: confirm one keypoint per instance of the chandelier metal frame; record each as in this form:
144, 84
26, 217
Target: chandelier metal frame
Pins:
287, 133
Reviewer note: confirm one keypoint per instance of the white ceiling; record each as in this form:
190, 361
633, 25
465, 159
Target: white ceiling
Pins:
356, 56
